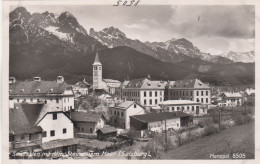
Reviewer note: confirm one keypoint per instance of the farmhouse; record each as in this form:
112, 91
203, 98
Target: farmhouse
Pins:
230, 99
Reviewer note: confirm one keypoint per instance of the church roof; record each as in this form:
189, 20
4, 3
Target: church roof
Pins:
97, 60
189, 83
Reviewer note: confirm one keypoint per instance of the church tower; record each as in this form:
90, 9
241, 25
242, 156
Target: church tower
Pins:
97, 73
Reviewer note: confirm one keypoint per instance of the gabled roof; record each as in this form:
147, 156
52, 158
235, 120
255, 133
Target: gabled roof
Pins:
23, 117
111, 81
232, 95
250, 91
124, 105
107, 130
37, 88
86, 117
145, 83
189, 83
152, 117
47, 108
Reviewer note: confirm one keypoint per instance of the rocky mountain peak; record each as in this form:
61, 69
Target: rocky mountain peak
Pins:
114, 32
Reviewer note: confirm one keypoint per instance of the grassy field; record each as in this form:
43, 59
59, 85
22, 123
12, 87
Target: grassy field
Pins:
238, 139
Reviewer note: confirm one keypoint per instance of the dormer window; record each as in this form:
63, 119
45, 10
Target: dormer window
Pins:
149, 84
51, 90
38, 90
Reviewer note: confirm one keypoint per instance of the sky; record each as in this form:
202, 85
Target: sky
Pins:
213, 29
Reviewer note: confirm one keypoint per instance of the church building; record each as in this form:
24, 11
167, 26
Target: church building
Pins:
108, 85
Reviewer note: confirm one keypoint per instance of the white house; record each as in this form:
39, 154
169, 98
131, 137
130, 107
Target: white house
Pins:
55, 123
186, 106
230, 99
57, 93
120, 113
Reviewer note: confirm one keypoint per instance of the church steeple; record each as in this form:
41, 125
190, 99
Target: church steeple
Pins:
97, 60
97, 73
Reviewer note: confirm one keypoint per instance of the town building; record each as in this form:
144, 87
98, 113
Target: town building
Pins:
57, 93
186, 106
56, 124
23, 134
119, 90
87, 122
249, 95
81, 88
109, 85
230, 99
191, 89
155, 122
144, 91
120, 113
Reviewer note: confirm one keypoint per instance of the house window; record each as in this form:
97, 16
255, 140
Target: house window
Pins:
30, 136
161, 93
191, 93
11, 138
173, 108
178, 108
150, 94
155, 93
22, 137
156, 101
193, 108
24, 100
57, 100
115, 113
144, 102
122, 114
44, 134
91, 130
201, 100
201, 93
134, 105
177, 124
18, 100
197, 93
151, 102
54, 116
207, 92
144, 94
188, 108
52, 133
64, 130
207, 100
198, 100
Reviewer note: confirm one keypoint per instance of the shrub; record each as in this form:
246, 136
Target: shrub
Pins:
209, 130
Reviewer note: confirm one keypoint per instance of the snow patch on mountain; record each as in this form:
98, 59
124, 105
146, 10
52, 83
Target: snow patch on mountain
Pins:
54, 30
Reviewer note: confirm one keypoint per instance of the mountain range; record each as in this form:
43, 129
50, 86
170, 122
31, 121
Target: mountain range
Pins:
47, 45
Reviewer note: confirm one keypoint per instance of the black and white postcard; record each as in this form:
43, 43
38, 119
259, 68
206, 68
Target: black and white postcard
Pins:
129, 80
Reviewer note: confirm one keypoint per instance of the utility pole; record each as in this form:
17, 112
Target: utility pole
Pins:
165, 129
219, 120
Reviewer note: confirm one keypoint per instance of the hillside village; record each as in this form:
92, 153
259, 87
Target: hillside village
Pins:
52, 116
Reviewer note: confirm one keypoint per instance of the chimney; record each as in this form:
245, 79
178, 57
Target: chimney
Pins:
12, 80
60, 79
11, 103
37, 79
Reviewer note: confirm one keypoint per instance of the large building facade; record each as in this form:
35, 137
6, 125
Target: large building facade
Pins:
144, 91
192, 89
57, 93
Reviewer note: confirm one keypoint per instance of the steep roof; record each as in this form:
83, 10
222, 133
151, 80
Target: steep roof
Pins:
85, 117
145, 83
46, 109
97, 60
152, 117
23, 117
37, 88
189, 83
